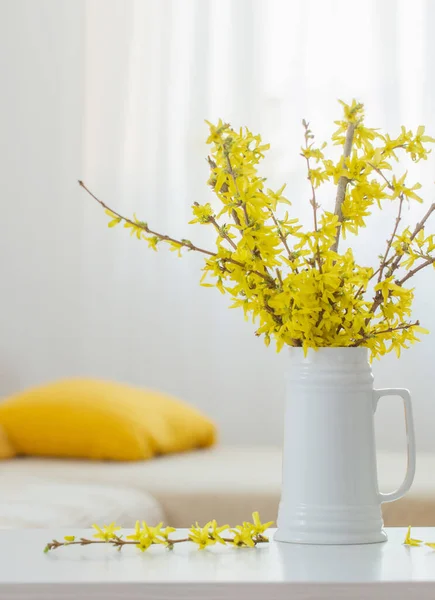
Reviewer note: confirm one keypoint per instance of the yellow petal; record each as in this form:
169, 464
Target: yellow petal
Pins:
409, 541
98, 529
419, 329
430, 544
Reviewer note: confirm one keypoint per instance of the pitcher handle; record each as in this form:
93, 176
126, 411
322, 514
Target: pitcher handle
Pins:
410, 436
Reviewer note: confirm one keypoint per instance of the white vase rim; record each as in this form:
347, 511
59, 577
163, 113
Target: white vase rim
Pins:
330, 350
330, 355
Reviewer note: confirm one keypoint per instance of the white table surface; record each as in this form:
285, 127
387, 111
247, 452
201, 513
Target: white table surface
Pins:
270, 571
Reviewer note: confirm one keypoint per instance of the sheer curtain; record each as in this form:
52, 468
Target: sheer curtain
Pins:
151, 71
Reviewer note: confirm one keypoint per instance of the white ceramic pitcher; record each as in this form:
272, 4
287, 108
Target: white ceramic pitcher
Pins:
330, 492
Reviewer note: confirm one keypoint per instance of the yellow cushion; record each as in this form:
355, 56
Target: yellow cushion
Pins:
6, 448
85, 418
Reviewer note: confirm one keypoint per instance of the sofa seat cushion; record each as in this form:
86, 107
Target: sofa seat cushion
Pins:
228, 484
28, 500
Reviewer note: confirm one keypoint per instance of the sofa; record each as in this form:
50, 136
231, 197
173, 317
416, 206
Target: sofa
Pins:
223, 483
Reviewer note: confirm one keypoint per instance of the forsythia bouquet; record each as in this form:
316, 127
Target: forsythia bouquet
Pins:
293, 281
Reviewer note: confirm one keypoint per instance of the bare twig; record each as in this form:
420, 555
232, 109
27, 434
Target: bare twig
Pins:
391, 239
421, 224
412, 272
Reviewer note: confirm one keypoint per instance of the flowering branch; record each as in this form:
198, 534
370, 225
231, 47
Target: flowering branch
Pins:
342, 183
384, 261
377, 301
220, 230
400, 327
234, 178
119, 543
240, 203
144, 536
224, 189
420, 225
166, 238
142, 225
281, 235
308, 135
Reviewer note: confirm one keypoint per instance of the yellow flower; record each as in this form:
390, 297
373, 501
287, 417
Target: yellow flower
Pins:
318, 176
152, 242
202, 213
155, 534
107, 532
430, 544
216, 531
216, 131
385, 287
352, 112
400, 188
146, 535
165, 533
137, 532
144, 542
243, 535
249, 534
110, 213
257, 526
201, 535
409, 541
69, 538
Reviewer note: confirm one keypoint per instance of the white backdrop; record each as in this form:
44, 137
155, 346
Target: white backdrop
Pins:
115, 92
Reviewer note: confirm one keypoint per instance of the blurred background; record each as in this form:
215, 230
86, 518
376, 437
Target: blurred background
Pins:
115, 92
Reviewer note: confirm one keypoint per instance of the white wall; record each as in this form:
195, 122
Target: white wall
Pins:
79, 299
40, 156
